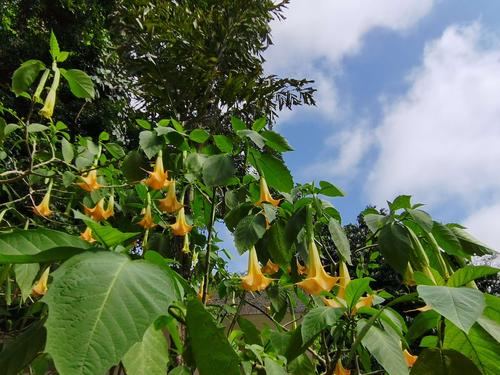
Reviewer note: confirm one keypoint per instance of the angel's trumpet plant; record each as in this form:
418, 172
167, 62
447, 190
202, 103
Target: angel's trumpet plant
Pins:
98, 213
170, 203
181, 227
317, 279
340, 370
265, 195
344, 280
409, 358
90, 181
50, 101
270, 268
87, 235
43, 208
158, 179
254, 279
147, 221
40, 287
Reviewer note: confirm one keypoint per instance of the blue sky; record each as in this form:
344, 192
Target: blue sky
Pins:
408, 103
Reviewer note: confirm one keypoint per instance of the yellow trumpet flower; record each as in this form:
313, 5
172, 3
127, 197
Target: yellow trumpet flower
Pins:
40, 287
345, 279
317, 279
265, 195
98, 213
340, 370
185, 246
270, 268
90, 181
147, 221
43, 208
409, 358
181, 227
158, 179
50, 101
170, 203
87, 235
255, 279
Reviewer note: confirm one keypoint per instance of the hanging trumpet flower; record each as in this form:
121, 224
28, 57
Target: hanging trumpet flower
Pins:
87, 235
409, 358
181, 227
270, 268
50, 101
98, 213
340, 370
158, 179
185, 246
255, 279
170, 203
43, 208
317, 279
40, 287
147, 221
265, 195
90, 181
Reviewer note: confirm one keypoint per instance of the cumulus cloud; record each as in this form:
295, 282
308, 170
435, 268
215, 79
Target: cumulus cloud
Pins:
484, 224
316, 35
440, 141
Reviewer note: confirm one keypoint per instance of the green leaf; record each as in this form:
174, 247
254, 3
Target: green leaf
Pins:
477, 345
402, 201
39, 245
395, 245
54, 46
150, 143
143, 123
134, 166
317, 320
294, 225
237, 124
256, 138
340, 239
259, 124
330, 190
111, 300
105, 233
468, 273
273, 368
218, 170
422, 323
35, 128
252, 334
212, 352
199, 136
274, 243
80, 83
375, 221
224, 143
447, 240
67, 150
115, 150
443, 362
469, 244
234, 216
25, 276
463, 306
355, 289
275, 171
248, 231
276, 141
422, 218
386, 349
149, 356
20, 351
25, 75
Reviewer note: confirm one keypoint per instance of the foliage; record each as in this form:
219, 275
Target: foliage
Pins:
147, 264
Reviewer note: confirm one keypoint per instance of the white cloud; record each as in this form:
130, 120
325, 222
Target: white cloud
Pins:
441, 140
316, 35
485, 225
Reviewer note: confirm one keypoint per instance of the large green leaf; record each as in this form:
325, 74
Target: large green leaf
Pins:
80, 83
340, 239
150, 143
443, 362
317, 320
422, 323
422, 218
447, 240
276, 141
25, 276
100, 305
275, 171
385, 347
463, 306
248, 231
395, 245
39, 245
134, 166
469, 273
274, 244
330, 190
21, 350
149, 356
256, 138
252, 334
355, 289
218, 170
470, 245
25, 75
401, 201
212, 352
477, 345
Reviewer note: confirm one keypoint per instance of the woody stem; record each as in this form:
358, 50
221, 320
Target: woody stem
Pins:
209, 248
